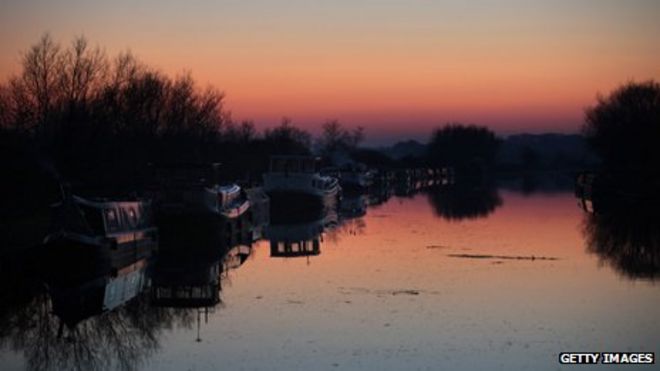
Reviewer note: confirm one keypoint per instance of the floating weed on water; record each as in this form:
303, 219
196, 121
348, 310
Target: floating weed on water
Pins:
437, 247
508, 257
404, 292
380, 293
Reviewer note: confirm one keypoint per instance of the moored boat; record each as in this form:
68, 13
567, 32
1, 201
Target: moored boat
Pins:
228, 201
356, 177
297, 176
259, 211
123, 226
191, 189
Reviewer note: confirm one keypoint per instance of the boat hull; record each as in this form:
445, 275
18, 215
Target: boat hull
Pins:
235, 210
202, 231
288, 206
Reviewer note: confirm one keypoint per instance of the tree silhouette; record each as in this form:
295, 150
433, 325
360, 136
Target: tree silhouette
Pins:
624, 129
468, 148
337, 138
38, 84
288, 139
103, 121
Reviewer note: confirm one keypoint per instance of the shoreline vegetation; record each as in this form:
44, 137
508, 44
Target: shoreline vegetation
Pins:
75, 115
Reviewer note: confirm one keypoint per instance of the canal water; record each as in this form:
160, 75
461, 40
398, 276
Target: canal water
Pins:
486, 279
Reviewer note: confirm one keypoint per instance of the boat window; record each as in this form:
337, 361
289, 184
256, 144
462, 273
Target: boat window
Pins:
132, 217
93, 218
111, 220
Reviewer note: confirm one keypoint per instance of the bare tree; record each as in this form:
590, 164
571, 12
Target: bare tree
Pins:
20, 109
288, 139
5, 107
83, 72
124, 68
40, 80
247, 132
337, 138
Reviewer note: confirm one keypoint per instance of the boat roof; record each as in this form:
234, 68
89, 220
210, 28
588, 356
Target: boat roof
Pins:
107, 203
294, 157
227, 188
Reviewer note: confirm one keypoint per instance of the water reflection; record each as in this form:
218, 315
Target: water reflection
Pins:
188, 274
379, 194
628, 240
353, 206
107, 309
187, 281
75, 300
621, 223
116, 313
530, 183
236, 257
460, 201
91, 316
301, 239
185, 285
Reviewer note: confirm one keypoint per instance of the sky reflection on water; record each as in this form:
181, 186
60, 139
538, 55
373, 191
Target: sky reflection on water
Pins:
404, 288
387, 295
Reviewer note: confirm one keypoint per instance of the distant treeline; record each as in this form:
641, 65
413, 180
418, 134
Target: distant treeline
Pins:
75, 114
84, 117
87, 115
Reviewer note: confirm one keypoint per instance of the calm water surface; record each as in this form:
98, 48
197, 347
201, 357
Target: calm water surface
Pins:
411, 284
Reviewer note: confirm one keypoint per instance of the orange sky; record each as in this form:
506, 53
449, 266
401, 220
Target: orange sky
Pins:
397, 67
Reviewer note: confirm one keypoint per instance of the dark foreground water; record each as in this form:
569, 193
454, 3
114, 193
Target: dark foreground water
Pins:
498, 280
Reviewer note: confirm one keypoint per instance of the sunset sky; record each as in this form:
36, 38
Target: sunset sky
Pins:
396, 67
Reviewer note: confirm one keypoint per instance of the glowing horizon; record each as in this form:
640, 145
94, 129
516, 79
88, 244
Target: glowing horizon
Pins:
398, 68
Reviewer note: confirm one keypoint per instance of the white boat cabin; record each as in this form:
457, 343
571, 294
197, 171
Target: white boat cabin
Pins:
227, 200
298, 174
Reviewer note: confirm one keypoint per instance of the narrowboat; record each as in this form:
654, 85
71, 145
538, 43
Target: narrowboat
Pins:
120, 226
